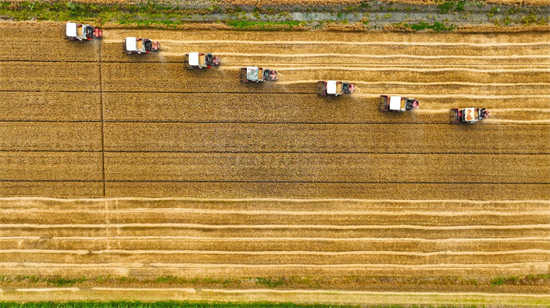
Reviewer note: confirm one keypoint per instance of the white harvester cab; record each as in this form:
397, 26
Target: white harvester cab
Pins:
78, 32
468, 115
194, 59
397, 103
200, 60
131, 44
136, 45
257, 74
334, 88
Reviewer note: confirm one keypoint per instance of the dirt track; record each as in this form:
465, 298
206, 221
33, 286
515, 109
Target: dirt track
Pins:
84, 121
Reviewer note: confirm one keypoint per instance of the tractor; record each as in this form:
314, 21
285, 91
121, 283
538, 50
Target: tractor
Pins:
137, 46
257, 74
397, 103
468, 115
334, 88
201, 60
78, 32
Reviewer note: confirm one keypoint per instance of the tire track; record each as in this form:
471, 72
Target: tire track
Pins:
273, 226
492, 45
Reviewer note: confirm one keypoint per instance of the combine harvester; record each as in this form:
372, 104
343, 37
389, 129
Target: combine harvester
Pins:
397, 103
200, 60
334, 88
468, 115
257, 74
78, 32
137, 46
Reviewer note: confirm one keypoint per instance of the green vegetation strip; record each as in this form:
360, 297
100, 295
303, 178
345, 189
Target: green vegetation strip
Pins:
141, 15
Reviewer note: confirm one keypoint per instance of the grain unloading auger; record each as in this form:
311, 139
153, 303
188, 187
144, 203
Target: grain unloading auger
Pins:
468, 115
334, 88
201, 60
257, 74
397, 103
79, 32
137, 46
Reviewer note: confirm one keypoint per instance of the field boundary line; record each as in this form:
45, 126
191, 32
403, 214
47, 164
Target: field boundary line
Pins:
351, 266
273, 252
544, 201
327, 291
271, 226
244, 239
293, 213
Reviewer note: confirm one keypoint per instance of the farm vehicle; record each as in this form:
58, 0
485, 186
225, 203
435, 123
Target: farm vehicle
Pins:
201, 60
468, 115
79, 32
334, 88
136, 45
397, 103
257, 74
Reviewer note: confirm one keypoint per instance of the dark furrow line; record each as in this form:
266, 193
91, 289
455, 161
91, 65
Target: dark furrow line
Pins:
268, 152
102, 123
274, 182
163, 92
256, 122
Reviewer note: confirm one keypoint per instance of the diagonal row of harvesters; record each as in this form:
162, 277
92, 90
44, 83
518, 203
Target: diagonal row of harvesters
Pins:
199, 60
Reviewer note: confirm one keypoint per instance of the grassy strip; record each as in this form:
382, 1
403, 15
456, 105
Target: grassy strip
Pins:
423, 26
141, 15
269, 26
276, 282
152, 14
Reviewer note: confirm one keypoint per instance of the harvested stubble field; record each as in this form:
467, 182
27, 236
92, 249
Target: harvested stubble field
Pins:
397, 197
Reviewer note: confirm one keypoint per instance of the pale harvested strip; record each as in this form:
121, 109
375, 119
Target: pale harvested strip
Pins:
411, 191
441, 90
282, 244
171, 77
222, 271
325, 296
219, 137
50, 106
355, 54
528, 55
37, 76
302, 167
164, 202
269, 231
354, 60
50, 166
235, 218
275, 257
307, 108
281, 231
209, 36
49, 136
275, 205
